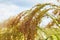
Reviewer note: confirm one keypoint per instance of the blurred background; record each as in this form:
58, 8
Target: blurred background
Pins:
10, 8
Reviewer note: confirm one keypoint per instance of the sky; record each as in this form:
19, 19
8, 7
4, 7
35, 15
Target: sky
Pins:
10, 8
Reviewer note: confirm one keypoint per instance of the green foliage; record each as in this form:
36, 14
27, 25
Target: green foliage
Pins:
48, 33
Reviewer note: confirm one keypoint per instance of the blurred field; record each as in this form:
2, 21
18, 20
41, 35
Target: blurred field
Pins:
25, 26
